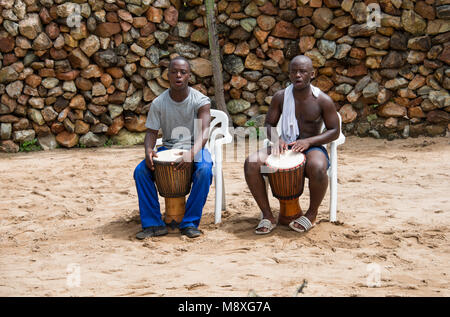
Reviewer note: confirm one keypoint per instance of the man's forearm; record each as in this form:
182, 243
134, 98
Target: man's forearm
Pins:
200, 142
324, 138
201, 124
149, 142
272, 133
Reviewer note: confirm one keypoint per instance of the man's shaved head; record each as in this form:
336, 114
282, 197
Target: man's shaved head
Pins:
179, 74
301, 71
180, 58
302, 59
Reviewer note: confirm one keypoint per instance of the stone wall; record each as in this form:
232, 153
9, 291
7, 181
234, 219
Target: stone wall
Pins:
76, 73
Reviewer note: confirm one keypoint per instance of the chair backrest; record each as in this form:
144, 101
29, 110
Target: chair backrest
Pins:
339, 140
218, 129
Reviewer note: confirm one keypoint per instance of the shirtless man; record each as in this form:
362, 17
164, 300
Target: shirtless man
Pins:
311, 109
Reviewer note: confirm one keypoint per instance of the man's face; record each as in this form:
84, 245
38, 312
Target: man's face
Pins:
300, 73
179, 74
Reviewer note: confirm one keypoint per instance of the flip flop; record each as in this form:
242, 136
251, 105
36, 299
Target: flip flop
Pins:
302, 221
265, 223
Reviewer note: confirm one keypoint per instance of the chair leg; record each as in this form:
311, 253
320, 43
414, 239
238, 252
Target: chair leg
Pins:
219, 192
333, 183
224, 206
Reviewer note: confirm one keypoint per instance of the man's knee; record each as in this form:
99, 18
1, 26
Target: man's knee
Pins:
204, 170
141, 170
252, 164
317, 170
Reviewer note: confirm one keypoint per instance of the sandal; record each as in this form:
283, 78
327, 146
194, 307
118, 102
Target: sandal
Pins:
265, 223
302, 221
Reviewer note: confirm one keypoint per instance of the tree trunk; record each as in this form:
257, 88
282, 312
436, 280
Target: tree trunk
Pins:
215, 59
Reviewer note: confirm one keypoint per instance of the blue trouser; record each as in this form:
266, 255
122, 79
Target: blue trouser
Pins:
148, 196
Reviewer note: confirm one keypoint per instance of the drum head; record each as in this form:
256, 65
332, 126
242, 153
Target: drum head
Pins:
288, 160
169, 155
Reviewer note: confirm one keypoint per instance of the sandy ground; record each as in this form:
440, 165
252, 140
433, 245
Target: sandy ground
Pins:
69, 218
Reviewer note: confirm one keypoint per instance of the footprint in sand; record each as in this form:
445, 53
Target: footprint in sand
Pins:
238, 250
195, 286
34, 192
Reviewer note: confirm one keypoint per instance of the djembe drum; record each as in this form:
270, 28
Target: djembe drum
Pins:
287, 178
172, 184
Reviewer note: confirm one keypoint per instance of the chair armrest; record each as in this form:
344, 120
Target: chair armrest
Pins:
158, 142
217, 146
340, 140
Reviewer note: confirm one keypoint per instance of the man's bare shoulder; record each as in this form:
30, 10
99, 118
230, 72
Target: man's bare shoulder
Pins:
278, 96
325, 101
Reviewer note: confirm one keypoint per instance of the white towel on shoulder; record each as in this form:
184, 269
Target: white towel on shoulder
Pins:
289, 125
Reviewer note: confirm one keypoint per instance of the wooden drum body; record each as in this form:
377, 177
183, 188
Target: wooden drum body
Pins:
287, 179
172, 184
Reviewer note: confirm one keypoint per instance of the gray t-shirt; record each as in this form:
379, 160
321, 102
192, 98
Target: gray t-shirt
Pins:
176, 119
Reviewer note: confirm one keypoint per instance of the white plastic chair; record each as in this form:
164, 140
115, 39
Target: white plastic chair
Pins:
332, 170
218, 136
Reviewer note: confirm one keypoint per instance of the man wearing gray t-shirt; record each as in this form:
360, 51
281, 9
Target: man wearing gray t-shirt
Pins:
182, 113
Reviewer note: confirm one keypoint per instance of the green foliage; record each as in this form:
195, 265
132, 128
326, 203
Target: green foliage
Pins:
108, 143
371, 117
252, 123
29, 146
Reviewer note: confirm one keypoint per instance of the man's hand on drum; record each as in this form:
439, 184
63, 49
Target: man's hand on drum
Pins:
186, 158
282, 146
149, 159
300, 145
